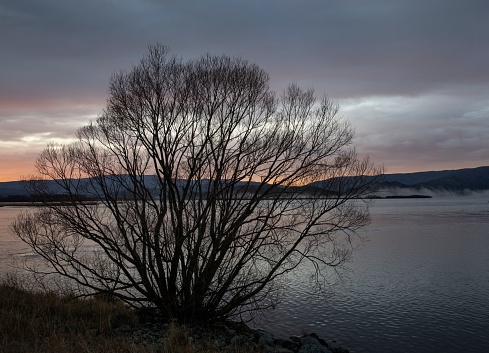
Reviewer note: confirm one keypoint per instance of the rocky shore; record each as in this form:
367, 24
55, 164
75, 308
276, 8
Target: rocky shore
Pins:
152, 331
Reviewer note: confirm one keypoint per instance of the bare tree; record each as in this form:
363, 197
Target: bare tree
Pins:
209, 188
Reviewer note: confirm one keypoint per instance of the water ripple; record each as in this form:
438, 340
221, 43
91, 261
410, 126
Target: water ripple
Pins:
420, 284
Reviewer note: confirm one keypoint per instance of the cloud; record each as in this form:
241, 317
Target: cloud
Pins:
427, 132
344, 48
411, 75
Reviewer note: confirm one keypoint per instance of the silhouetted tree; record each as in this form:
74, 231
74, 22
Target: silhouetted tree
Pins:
201, 173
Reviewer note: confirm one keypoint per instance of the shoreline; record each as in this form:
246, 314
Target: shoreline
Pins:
228, 335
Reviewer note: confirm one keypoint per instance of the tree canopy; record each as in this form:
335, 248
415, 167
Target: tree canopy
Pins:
210, 188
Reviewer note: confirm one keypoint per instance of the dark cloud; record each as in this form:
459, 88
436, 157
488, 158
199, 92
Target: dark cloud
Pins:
347, 47
56, 57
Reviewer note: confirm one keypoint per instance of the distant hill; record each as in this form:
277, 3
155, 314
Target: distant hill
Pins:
16, 191
12, 188
470, 179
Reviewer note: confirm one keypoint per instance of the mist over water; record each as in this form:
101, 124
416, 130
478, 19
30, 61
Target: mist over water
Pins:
433, 193
419, 283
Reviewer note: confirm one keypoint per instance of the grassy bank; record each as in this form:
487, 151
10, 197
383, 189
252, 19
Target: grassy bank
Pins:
45, 322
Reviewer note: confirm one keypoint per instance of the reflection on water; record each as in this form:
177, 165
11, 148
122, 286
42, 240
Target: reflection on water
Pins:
419, 284
10, 246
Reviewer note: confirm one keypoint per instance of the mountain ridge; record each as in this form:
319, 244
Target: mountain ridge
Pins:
457, 180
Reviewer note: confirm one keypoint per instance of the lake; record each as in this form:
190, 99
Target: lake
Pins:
419, 284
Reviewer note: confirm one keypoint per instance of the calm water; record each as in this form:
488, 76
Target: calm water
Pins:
10, 246
420, 284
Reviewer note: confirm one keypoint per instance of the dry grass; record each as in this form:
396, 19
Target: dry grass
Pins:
45, 322
38, 322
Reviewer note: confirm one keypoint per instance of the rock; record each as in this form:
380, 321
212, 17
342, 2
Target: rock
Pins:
311, 344
239, 340
309, 341
312, 334
288, 344
266, 339
336, 348
295, 338
228, 337
229, 331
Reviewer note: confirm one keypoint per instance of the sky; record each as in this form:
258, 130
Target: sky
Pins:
412, 76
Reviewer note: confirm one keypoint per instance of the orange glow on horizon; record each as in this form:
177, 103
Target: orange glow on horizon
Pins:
16, 170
